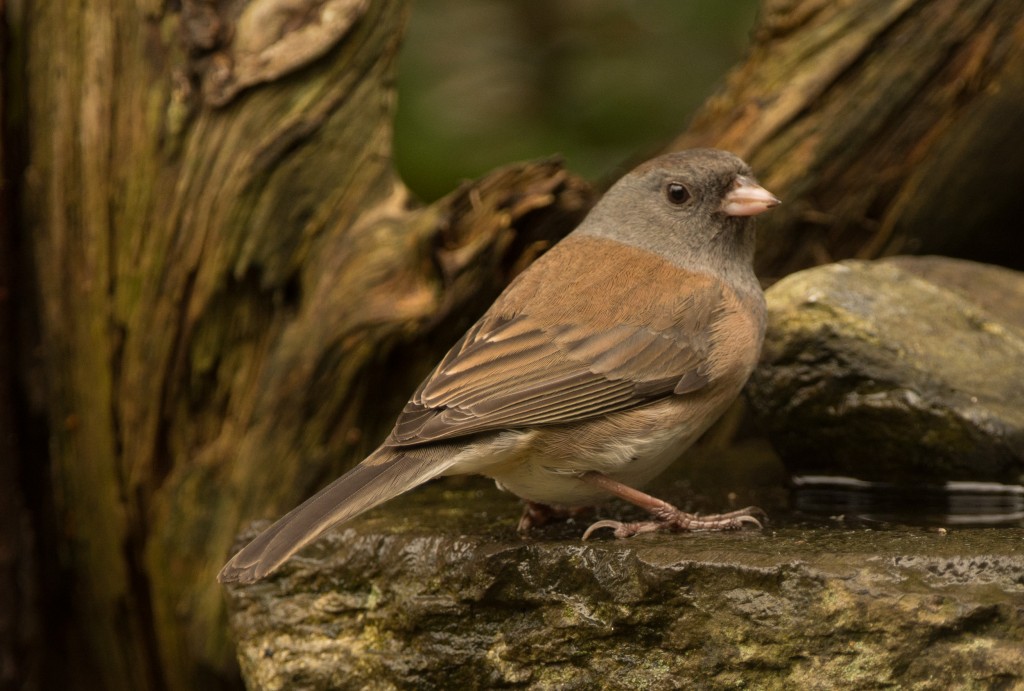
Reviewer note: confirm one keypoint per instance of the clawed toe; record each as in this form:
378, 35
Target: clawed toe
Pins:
678, 521
616, 526
537, 515
750, 512
666, 516
734, 520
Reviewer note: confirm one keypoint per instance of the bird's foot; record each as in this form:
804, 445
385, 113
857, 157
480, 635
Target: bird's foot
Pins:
536, 515
667, 518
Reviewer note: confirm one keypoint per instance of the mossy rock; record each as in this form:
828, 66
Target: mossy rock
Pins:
905, 370
436, 590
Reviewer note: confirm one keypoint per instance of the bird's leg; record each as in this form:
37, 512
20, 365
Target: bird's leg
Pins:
666, 516
536, 515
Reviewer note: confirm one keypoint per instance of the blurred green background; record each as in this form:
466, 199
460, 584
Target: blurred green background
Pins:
601, 82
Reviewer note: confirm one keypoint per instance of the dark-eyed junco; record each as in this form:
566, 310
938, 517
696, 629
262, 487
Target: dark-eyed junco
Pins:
591, 373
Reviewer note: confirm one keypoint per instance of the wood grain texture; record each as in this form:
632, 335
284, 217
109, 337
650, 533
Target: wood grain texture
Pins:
884, 126
233, 285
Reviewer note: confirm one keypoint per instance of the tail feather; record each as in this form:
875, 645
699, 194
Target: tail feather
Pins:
383, 475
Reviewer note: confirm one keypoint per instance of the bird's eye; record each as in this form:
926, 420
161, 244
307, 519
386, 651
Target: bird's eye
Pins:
677, 193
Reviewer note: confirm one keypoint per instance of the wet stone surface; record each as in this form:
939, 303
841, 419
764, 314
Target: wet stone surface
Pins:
904, 370
435, 590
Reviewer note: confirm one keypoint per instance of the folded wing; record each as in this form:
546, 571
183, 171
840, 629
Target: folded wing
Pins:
512, 371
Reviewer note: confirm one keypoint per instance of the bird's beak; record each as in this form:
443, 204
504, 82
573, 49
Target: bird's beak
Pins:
747, 198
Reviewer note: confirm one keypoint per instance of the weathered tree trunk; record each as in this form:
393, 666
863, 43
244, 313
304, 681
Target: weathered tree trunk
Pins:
20, 622
234, 291
232, 284
887, 126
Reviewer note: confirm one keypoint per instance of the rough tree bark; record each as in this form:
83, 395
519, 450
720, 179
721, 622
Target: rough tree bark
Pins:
887, 127
232, 283
234, 290
19, 606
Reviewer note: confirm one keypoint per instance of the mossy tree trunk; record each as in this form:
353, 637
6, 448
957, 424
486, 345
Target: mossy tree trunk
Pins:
231, 290
229, 275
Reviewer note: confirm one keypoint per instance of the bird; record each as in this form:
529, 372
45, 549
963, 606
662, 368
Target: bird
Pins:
591, 372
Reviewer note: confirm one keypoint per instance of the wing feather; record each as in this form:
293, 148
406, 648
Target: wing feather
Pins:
520, 365
514, 377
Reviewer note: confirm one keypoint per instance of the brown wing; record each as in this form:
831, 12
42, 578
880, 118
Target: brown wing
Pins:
513, 369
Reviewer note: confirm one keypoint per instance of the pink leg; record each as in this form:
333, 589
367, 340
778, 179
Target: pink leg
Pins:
536, 515
666, 516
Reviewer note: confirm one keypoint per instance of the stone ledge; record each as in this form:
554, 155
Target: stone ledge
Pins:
414, 595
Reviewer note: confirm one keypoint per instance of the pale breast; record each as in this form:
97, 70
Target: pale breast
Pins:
632, 447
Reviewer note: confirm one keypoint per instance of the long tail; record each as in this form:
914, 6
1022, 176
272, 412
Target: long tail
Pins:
384, 474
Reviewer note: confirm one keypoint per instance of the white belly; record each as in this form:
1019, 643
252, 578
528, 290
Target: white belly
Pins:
543, 464
555, 480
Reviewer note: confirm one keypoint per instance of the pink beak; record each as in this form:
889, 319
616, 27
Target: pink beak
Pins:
747, 198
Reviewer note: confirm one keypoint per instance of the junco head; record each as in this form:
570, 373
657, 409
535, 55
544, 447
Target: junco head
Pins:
591, 372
